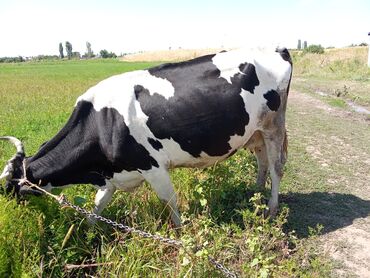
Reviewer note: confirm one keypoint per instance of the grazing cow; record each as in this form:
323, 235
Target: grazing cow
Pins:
136, 126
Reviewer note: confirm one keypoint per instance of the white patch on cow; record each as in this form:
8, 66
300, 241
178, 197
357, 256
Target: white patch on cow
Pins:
176, 156
127, 181
6, 172
155, 84
272, 70
266, 62
228, 63
118, 91
253, 104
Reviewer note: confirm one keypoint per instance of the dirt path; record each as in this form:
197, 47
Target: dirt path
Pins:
337, 141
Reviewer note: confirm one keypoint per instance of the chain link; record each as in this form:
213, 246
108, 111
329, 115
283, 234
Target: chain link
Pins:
227, 273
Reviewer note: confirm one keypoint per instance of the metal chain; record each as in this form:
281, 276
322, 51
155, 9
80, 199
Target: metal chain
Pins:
64, 202
120, 226
226, 272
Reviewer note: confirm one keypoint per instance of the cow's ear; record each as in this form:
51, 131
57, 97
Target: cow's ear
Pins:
16, 161
8, 171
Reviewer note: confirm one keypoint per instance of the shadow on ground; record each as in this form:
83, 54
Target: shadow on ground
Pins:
332, 210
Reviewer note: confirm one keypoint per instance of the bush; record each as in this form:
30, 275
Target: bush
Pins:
314, 48
45, 58
105, 54
18, 59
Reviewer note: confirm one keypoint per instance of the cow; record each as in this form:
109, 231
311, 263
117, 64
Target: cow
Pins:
136, 126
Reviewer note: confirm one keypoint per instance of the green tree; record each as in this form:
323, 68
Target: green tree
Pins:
314, 48
61, 54
69, 49
105, 54
89, 54
76, 55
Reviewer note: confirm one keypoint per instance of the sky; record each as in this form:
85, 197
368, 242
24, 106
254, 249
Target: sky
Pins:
34, 27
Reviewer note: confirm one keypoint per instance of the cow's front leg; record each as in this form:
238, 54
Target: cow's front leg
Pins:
102, 198
276, 155
160, 181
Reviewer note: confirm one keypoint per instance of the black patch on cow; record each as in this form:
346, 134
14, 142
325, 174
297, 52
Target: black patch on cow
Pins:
247, 79
155, 144
91, 147
204, 111
273, 100
137, 90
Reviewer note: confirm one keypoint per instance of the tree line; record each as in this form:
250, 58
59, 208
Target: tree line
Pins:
88, 54
70, 54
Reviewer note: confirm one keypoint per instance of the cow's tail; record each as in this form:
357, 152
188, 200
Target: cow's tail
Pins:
285, 55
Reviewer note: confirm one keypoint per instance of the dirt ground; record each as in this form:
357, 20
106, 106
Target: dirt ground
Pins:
338, 140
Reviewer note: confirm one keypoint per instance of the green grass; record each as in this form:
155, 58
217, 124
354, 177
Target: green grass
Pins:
337, 102
221, 213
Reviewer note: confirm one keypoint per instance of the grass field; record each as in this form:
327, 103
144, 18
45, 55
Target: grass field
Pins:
38, 239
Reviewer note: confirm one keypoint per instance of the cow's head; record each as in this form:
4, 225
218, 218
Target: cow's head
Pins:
13, 170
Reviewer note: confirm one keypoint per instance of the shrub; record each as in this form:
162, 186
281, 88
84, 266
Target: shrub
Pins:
18, 59
105, 54
314, 48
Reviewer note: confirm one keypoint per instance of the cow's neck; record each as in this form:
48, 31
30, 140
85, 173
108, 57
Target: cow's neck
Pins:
73, 156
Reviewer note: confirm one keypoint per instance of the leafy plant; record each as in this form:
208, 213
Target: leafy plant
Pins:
314, 48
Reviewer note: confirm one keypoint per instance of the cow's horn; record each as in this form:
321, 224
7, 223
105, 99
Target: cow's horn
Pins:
17, 143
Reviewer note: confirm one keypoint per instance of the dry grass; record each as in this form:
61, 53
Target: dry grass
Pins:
336, 55
169, 55
342, 71
359, 52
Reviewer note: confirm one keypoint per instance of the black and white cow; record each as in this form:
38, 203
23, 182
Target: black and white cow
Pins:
136, 126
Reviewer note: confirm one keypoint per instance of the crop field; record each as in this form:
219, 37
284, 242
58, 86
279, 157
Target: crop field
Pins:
221, 209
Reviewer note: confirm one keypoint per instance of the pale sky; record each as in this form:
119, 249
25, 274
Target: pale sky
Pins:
34, 27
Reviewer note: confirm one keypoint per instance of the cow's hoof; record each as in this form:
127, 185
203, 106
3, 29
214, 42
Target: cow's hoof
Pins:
268, 213
271, 211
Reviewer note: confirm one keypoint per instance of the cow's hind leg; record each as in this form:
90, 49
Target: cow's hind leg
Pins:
161, 183
276, 154
257, 146
262, 161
